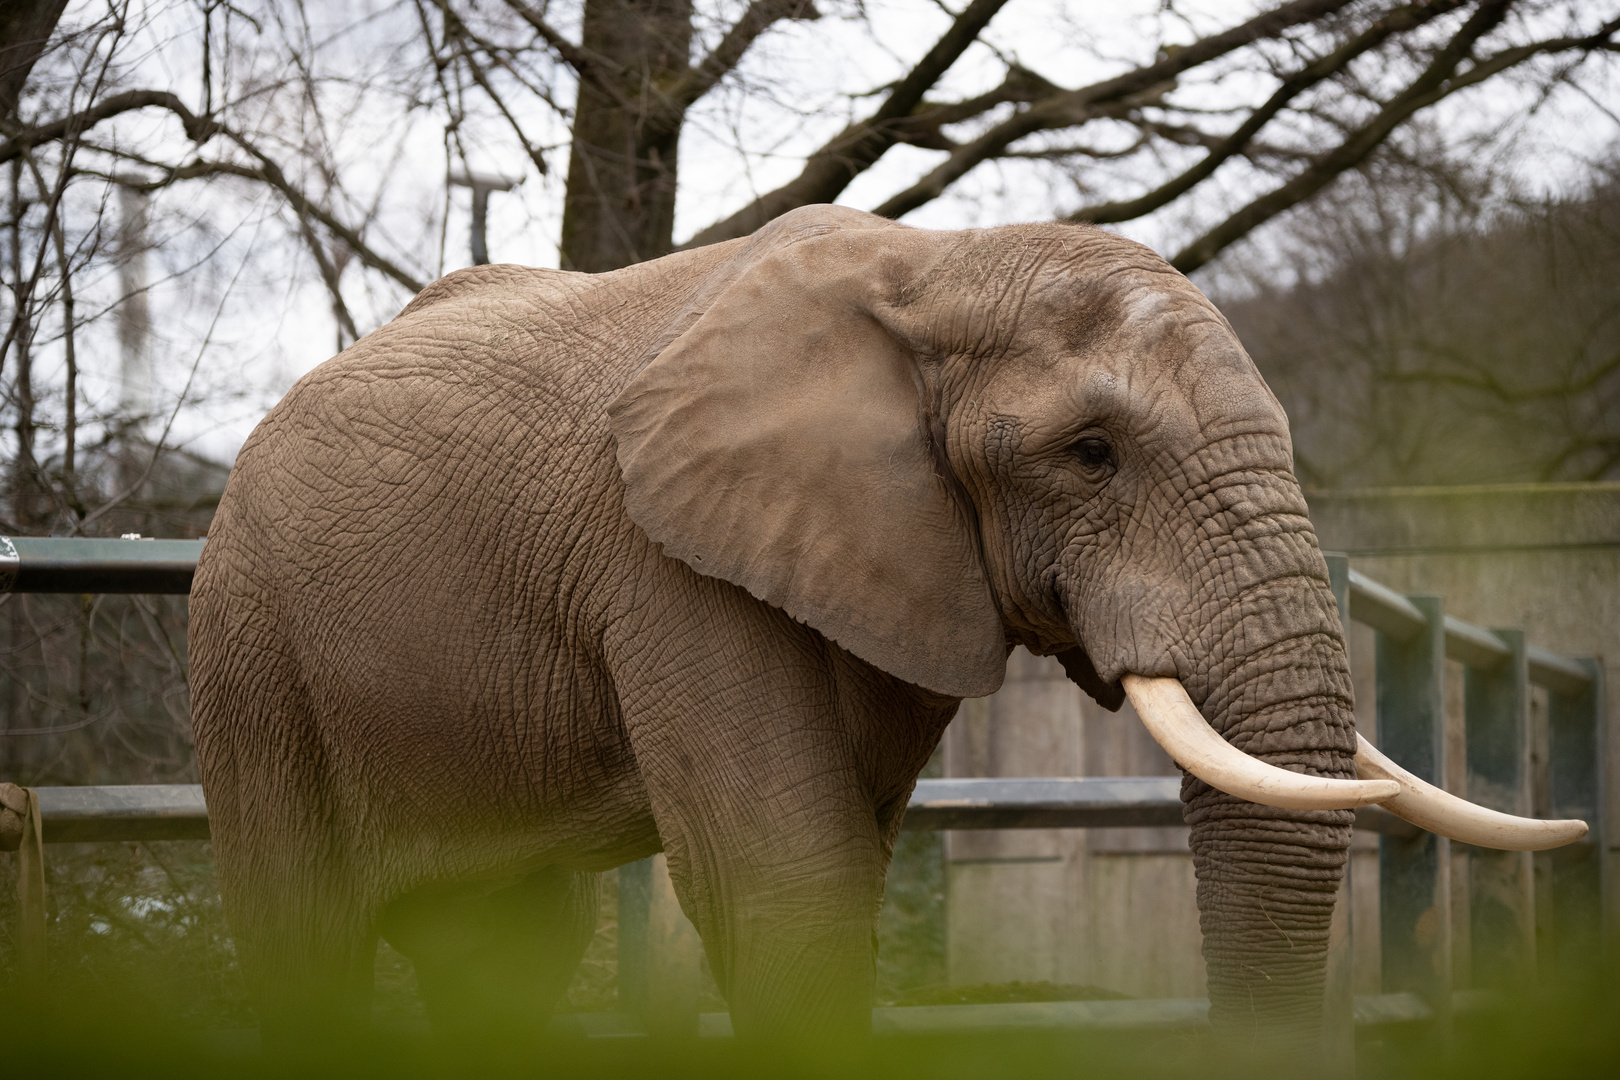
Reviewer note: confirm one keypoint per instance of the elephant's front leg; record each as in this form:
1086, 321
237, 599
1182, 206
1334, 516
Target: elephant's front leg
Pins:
787, 910
775, 848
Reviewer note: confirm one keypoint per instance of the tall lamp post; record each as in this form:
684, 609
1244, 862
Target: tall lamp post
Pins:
134, 319
481, 184
136, 376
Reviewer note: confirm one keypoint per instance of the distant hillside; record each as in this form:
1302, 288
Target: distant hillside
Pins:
1481, 356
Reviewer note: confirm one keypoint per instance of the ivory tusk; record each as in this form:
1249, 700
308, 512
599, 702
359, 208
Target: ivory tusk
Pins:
1177, 725
1428, 807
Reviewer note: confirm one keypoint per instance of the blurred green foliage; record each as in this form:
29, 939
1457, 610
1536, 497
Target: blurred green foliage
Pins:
1569, 1033
144, 921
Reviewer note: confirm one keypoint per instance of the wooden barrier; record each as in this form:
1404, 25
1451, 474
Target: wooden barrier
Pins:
1528, 915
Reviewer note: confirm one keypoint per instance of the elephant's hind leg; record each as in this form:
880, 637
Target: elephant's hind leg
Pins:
289, 870
492, 964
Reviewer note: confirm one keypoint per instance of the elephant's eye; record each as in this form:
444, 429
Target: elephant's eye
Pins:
1096, 455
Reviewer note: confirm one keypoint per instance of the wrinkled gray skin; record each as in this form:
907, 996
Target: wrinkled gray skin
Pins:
556, 570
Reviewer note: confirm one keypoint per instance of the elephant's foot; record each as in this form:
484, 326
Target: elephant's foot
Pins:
816, 994
491, 965
312, 992
797, 965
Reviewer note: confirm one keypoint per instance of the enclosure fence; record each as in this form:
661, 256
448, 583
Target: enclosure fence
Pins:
1529, 913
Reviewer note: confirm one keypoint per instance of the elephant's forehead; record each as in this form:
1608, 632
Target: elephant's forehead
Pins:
1182, 346
1175, 361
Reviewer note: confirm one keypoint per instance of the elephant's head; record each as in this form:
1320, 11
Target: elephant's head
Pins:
930, 446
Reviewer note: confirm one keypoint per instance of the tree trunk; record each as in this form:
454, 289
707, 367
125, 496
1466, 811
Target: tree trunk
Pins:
620, 205
25, 27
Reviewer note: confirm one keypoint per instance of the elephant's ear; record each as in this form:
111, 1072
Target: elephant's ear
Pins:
782, 443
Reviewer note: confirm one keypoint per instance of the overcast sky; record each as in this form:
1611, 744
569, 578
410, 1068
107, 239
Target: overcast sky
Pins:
253, 317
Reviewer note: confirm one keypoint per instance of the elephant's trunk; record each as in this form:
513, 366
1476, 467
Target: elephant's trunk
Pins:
1266, 885
1267, 877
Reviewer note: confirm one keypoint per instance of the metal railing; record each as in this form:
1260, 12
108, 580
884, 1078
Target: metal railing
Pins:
1510, 914
76, 815
30, 564
1414, 640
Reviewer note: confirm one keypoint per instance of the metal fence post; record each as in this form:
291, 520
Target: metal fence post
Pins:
1574, 927
1338, 1007
1501, 884
674, 961
635, 895
660, 954
1414, 884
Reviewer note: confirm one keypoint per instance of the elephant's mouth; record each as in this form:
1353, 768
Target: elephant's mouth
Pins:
1176, 724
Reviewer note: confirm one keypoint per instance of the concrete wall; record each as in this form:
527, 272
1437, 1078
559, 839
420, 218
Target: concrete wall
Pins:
1544, 558
1114, 908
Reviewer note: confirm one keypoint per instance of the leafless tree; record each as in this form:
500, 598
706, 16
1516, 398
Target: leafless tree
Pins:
1445, 341
317, 119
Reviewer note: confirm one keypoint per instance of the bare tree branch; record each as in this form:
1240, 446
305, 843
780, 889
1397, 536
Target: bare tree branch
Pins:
760, 17
922, 127
499, 56
1438, 81
1488, 382
331, 278
198, 129
1074, 107
854, 150
599, 71
25, 30
1238, 142
268, 172
476, 70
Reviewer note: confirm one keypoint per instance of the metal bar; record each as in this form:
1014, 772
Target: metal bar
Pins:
1377, 1009
1393, 615
55, 564
1375, 819
1044, 803
635, 909
1384, 609
132, 812
1338, 565
660, 954
1501, 884
1572, 928
1559, 674
177, 811
1474, 645
674, 961
1414, 875
1164, 1014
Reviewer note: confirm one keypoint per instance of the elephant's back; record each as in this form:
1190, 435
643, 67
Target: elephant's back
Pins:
490, 386
449, 471
429, 439
421, 538
465, 431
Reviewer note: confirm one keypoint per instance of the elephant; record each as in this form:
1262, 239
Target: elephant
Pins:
555, 571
